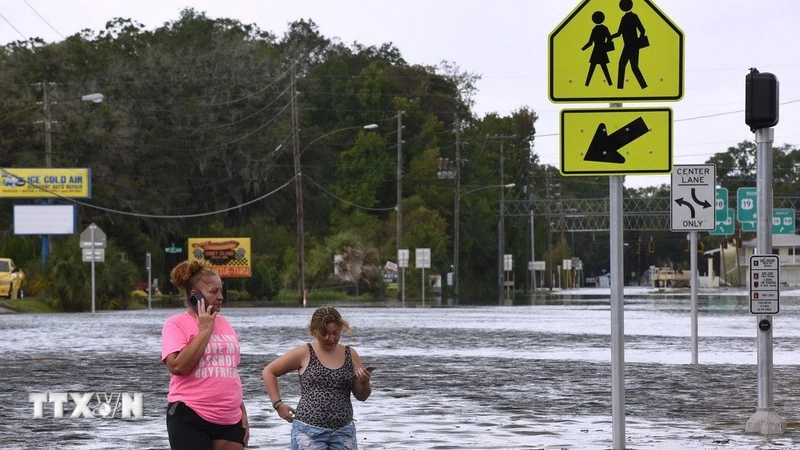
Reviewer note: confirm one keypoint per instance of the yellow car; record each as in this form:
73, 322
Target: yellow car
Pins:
12, 279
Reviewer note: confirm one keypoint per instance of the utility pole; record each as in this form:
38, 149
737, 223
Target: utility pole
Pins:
532, 229
298, 192
549, 264
501, 239
457, 199
401, 282
501, 221
48, 161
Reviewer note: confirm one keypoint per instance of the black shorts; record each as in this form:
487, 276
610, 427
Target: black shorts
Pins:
188, 431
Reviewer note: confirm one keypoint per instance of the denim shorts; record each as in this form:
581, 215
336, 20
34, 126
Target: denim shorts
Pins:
309, 437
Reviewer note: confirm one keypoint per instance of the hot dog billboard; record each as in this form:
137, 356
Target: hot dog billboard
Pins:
229, 257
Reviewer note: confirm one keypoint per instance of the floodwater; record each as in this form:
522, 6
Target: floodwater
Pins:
531, 375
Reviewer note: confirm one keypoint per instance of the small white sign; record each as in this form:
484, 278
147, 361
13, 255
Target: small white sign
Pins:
508, 263
535, 265
566, 264
402, 257
692, 197
96, 255
422, 258
765, 284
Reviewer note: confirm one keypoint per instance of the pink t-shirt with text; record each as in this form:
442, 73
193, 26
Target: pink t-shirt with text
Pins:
212, 388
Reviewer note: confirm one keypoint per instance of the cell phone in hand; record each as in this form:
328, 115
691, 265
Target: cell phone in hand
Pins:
194, 300
370, 369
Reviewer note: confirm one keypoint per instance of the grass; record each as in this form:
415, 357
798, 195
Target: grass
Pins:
28, 305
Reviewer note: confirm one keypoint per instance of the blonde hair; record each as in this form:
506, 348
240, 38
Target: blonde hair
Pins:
322, 317
187, 274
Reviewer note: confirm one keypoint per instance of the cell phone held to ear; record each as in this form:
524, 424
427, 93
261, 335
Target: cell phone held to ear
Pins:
194, 300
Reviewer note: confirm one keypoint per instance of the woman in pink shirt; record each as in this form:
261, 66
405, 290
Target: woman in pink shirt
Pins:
201, 352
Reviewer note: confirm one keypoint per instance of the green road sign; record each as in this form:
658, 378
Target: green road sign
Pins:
783, 221
173, 249
725, 226
721, 205
746, 205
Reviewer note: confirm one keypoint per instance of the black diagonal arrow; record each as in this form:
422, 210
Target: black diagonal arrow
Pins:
605, 147
704, 203
683, 202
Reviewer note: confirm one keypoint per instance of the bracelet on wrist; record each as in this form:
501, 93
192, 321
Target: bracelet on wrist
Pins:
276, 404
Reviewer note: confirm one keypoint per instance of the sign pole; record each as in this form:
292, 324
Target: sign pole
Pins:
616, 243
617, 314
766, 420
148, 262
694, 281
91, 228
423, 286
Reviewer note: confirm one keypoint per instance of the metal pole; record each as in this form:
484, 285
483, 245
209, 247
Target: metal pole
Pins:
423, 285
91, 231
616, 243
149, 282
403, 294
533, 256
766, 420
549, 265
617, 315
694, 281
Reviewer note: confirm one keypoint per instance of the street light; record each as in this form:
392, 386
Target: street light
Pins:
298, 189
48, 145
456, 238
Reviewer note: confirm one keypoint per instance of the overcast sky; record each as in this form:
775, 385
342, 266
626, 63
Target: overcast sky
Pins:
505, 41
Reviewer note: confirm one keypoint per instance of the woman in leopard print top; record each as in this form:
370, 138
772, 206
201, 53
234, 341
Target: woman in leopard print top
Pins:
329, 372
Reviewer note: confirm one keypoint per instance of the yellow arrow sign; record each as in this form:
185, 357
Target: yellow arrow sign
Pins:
615, 51
629, 141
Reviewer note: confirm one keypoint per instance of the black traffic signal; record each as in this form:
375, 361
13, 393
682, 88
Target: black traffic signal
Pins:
760, 100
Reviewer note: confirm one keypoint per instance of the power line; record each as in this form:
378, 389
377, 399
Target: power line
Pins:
43, 19
12, 26
157, 216
366, 208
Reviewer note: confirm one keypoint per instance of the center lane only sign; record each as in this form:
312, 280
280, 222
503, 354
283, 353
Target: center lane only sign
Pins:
630, 141
692, 197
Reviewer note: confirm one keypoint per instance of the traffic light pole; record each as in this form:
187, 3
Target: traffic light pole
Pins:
766, 420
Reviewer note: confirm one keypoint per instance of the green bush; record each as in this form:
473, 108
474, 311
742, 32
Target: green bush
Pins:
265, 282
68, 279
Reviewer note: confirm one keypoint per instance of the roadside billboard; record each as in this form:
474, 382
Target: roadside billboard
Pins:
229, 257
45, 183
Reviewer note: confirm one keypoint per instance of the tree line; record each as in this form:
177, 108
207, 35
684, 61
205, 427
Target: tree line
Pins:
196, 137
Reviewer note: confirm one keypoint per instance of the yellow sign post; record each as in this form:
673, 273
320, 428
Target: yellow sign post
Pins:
630, 141
616, 51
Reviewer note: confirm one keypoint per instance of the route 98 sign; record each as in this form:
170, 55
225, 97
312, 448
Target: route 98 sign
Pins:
692, 197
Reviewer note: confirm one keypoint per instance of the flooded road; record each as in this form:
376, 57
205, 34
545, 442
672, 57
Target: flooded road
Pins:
529, 376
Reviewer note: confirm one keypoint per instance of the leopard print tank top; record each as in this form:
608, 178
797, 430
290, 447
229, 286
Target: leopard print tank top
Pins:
325, 393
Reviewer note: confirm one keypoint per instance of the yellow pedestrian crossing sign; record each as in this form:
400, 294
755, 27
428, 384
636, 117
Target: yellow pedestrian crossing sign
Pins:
616, 51
616, 141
